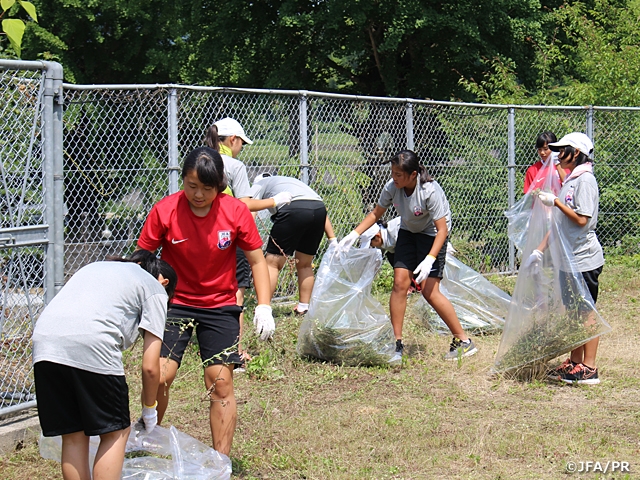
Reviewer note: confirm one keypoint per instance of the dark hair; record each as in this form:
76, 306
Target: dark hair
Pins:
408, 161
570, 151
208, 165
545, 138
211, 138
153, 265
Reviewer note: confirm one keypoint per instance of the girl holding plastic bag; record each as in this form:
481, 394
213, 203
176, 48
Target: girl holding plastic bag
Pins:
421, 245
576, 211
77, 353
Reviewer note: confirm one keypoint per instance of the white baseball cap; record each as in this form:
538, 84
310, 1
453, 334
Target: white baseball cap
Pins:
229, 126
576, 140
368, 234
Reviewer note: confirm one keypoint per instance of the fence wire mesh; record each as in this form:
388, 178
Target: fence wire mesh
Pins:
22, 205
123, 146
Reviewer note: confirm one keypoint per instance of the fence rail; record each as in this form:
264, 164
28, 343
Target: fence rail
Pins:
89, 189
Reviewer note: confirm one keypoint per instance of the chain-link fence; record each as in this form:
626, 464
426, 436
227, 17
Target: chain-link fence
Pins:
123, 146
27, 151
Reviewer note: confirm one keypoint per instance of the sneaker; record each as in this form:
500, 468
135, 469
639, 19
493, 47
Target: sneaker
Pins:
298, 313
564, 367
581, 374
458, 348
397, 357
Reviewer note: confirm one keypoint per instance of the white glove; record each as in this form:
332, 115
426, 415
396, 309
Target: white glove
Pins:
149, 417
263, 321
281, 199
534, 260
333, 241
422, 270
347, 242
547, 198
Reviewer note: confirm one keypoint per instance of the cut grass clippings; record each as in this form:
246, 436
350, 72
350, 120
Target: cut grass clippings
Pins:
426, 419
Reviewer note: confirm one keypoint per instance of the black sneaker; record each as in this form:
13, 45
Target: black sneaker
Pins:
298, 313
397, 357
581, 374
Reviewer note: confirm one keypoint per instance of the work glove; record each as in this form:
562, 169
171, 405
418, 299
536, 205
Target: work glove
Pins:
422, 270
149, 418
347, 242
333, 241
281, 199
263, 321
547, 198
534, 260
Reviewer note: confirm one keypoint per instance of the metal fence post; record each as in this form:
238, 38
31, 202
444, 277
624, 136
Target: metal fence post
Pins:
304, 145
409, 116
54, 179
56, 71
590, 123
511, 159
172, 165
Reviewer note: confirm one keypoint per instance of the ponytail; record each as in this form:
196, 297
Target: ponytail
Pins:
211, 138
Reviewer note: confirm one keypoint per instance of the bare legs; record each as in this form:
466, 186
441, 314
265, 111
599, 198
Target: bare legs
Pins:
304, 269
223, 413
431, 293
109, 457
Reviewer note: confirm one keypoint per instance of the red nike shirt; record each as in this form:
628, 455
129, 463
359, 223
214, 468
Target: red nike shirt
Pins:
202, 250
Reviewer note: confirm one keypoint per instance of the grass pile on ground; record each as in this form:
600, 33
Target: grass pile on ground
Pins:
330, 344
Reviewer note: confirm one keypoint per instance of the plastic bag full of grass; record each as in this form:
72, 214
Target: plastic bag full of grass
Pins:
345, 324
551, 310
480, 306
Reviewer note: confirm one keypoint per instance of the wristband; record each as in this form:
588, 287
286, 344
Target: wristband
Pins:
155, 404
432, 256
275, 204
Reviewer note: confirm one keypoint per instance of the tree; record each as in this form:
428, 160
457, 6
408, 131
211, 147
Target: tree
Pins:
415, 48
14, 28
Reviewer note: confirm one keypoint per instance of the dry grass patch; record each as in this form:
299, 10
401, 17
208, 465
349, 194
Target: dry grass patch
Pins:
429, 418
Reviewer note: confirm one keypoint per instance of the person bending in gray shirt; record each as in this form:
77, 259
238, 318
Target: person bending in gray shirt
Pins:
77, 354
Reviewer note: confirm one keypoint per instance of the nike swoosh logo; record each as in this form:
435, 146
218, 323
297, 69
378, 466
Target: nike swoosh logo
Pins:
174, 241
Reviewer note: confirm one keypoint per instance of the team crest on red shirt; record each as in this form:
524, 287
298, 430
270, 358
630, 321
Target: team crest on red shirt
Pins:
224, 239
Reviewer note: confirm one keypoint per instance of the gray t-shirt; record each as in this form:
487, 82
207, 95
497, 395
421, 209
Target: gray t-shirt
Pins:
582, 196
97, 315
237, 178
419, 210
270, 186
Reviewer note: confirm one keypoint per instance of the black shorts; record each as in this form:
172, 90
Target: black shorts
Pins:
71, 400
571, 297
297, 227
217, 329
412, 248
243, 270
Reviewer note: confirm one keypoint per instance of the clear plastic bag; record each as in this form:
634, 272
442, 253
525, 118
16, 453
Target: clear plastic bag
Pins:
480, 306
170, 454
540, 324
345, 324
519, 215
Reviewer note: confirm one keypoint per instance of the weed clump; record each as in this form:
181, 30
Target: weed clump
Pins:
340, 347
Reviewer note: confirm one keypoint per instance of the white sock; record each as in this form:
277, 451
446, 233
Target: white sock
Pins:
302, 307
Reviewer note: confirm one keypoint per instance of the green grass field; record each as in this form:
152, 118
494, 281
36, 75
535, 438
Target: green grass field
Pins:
426, 419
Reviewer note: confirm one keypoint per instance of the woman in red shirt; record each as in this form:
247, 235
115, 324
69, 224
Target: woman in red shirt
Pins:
198, 229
